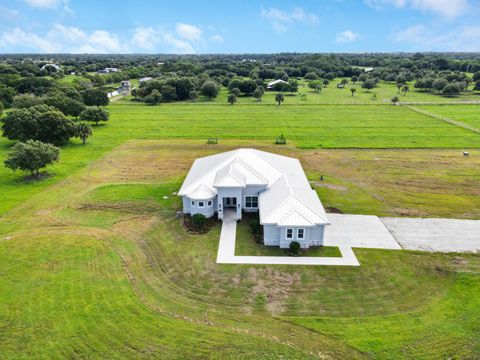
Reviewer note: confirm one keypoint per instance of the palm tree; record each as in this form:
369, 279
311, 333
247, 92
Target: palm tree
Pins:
353, 90
405, 88
279, 98
83, 131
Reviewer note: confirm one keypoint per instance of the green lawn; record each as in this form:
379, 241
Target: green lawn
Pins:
246, 245
330, 126
469, 114
446, 328
124, 282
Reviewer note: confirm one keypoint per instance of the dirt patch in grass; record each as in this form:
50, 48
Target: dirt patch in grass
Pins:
329, 186
272, 286
427, 183
123, 206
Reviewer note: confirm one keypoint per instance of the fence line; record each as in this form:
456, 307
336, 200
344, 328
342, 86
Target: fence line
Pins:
443, 118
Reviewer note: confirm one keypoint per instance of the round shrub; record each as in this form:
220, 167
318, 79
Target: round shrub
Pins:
198, 221
295, 248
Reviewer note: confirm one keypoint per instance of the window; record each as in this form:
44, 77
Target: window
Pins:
251, 201
209, 203
300, 233
201, 204
193, 203
289, 234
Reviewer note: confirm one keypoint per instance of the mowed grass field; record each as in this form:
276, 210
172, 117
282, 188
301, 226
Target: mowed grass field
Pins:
94, 262
312, 126
468, 114
110, 272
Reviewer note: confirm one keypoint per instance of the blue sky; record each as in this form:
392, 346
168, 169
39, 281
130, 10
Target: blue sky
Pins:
47, 26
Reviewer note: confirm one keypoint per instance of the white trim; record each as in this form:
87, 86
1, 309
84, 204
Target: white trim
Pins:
201, 204
209, 203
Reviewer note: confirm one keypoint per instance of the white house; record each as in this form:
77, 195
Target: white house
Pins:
107, 70
55, 66
249, 180
144, 79
273, 83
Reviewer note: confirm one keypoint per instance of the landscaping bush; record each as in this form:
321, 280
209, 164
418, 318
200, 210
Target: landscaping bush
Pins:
295, 248
198, 221
255, 228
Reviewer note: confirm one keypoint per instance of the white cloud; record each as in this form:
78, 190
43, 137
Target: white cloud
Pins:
178, 46
45, 4
50, 4
145, 38
17, 37
281, 19
189, 32
62, 39
446, 8
216, 38
183, 39
347, 36
420, 37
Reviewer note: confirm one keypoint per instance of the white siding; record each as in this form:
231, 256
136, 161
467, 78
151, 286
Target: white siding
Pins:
207, 211
271, 235
313, 236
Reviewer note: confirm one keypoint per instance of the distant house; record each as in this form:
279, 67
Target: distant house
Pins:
107, 70
249, 180
142, 80
56, 66
272, 84
340, 86
125, 86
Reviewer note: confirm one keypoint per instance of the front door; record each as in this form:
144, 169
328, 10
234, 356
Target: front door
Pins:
230, 202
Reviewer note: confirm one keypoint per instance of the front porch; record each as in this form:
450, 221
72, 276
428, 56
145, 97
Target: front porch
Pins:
229, 204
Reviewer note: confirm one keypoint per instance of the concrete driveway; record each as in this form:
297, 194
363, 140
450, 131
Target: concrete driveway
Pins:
358, 231
441, 235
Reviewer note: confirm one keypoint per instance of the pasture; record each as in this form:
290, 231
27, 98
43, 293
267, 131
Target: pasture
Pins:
111, 272
312, 126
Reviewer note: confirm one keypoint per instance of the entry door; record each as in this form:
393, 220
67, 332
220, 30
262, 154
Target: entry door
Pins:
231, 202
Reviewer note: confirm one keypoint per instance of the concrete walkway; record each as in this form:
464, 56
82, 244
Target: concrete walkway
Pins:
365, 231
440, 235
226, 253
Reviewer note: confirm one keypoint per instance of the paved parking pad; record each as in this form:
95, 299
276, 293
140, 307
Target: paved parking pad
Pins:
358, 231
440, 235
